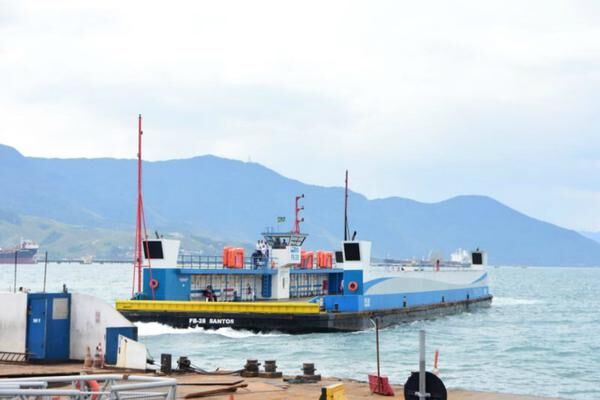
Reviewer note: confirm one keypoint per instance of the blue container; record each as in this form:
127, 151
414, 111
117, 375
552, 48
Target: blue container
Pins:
48, 326
112, 341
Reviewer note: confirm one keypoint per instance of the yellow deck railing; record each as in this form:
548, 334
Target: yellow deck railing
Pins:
258, 307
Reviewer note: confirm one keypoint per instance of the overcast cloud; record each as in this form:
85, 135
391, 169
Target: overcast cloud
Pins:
425, 100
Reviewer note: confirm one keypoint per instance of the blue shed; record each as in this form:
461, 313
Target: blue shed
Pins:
48, 326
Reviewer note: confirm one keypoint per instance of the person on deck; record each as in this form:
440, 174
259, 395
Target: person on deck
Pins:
256, 256
259, 247
264, 249
249, 293
209, 294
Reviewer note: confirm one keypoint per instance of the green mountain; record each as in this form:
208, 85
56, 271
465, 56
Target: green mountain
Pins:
76, 241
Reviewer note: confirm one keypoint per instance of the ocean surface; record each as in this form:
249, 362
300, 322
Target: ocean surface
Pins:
541, 336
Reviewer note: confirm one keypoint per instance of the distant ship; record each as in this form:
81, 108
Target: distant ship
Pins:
25, 251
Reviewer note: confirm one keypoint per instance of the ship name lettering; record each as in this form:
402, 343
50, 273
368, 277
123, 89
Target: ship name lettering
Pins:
222, 321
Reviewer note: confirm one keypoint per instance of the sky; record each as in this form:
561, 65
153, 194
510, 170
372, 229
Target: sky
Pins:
425, 100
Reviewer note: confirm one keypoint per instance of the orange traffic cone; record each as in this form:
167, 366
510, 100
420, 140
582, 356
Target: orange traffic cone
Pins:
87, 361
436, 370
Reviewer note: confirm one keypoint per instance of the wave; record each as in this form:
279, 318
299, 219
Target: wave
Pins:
240, 334
510, 301
157, 329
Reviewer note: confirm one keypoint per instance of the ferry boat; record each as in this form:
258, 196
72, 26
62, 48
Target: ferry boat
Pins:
298, 291
284, 288
25, 253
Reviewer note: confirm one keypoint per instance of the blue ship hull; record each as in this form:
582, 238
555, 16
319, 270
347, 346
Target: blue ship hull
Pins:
340, 312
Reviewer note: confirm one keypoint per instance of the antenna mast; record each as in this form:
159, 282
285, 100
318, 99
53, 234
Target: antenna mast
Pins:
346, 228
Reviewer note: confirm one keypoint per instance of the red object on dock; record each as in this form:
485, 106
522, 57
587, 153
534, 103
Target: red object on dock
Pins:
380, 385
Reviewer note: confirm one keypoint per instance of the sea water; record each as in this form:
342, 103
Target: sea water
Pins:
541, 336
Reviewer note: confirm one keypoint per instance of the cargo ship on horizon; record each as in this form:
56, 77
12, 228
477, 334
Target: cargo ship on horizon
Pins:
25, 253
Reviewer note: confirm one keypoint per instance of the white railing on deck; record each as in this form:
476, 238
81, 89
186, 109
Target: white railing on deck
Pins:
112, 386
421, 266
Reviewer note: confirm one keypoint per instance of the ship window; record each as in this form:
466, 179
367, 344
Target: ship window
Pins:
154, 247
477, 258
339, 257
352, 251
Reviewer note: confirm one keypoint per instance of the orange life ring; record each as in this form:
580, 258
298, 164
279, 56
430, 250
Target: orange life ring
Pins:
93, 386
153, 283
353, 286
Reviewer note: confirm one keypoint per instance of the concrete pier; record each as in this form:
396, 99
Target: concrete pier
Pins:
256, 389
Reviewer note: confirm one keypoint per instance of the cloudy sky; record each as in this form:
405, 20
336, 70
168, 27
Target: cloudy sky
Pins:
425, 100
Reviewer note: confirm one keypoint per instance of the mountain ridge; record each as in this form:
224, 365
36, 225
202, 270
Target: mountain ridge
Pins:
231, 200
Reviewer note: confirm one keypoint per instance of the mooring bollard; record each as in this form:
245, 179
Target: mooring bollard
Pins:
270, 366
308, 369
165, 363
270, 370
308, 375
251, 368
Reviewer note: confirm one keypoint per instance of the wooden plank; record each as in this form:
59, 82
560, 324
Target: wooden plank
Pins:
214, 391
211, 383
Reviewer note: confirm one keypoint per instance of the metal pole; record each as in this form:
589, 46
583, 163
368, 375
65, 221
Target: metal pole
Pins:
422, 389
377, 348
15, 280
45, 270
346, 209
139, 210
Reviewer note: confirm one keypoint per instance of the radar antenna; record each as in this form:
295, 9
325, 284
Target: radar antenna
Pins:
346, 227
297, 210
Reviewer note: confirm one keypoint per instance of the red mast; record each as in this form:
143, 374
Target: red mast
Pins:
297, 219
140, 223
